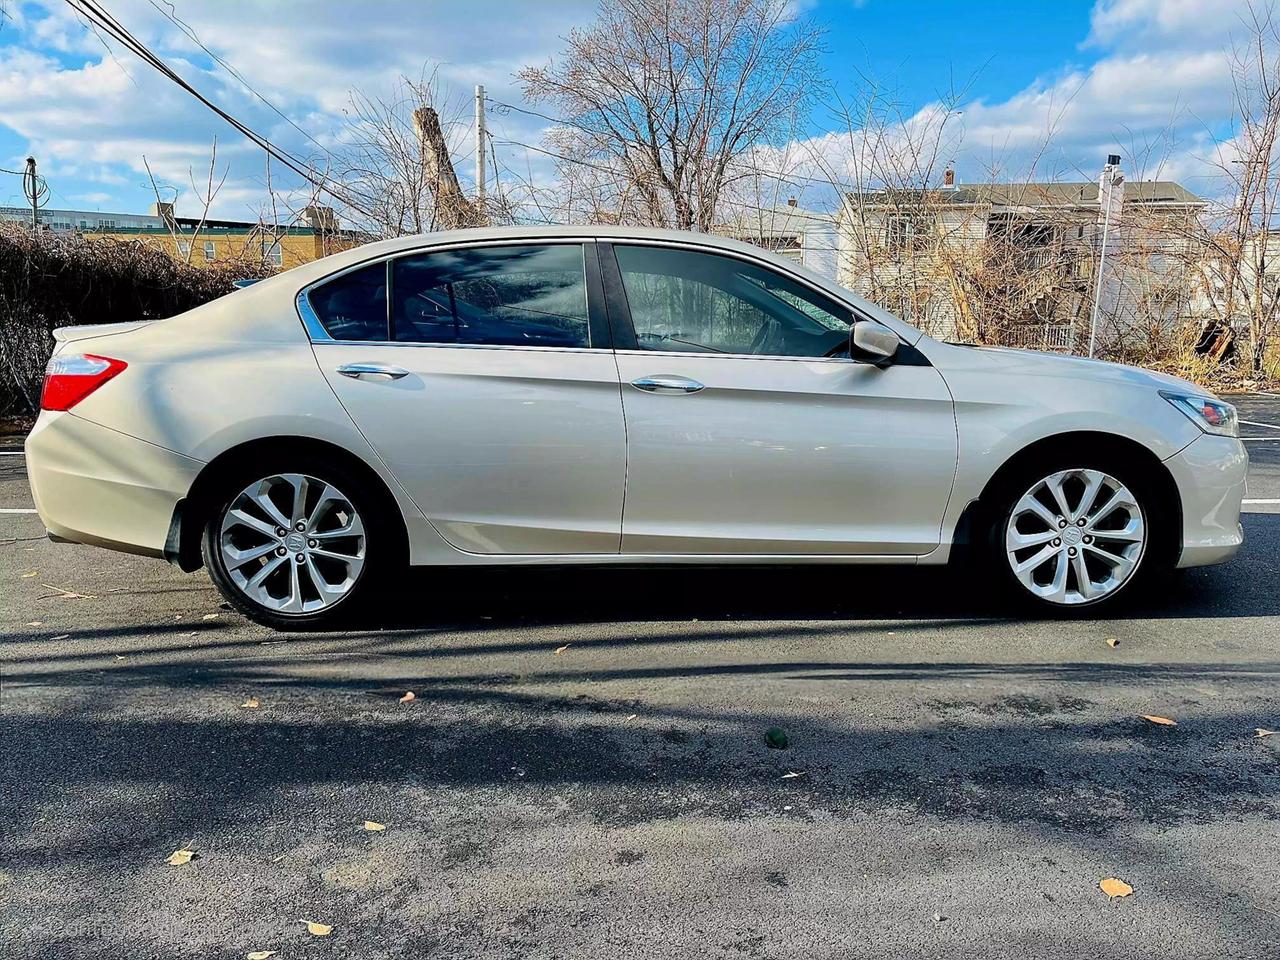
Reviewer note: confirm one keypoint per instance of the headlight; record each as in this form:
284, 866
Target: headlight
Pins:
1211, 416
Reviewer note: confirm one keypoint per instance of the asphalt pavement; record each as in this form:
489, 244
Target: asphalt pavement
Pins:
582, 770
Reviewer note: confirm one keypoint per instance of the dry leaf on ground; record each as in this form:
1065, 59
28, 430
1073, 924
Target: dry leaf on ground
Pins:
251, 703
1112, 642
408, 696
1163, 721
318, 929
213, 616
791, 774
35, 623
1113, 887
179, 857
1260, 732
259, 954
28, 576
560, 650
374, 825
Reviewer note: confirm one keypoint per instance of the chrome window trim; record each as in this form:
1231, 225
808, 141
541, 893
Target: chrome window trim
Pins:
317, 334
457, 346
712, 355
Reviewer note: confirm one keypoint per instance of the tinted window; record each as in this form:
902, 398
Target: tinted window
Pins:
699, 302
354, 306
531, 296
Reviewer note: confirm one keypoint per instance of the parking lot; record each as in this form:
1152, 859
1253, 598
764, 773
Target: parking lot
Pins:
582, 770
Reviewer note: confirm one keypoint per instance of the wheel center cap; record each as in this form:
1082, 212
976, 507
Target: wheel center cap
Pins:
1071, 536
295, 542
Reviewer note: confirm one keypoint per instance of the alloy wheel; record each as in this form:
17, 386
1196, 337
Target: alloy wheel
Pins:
1075, 537
292, 543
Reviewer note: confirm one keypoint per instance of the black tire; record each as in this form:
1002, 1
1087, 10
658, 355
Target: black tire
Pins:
384, 556
1161, 522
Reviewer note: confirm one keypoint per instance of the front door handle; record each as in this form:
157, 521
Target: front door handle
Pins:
667, 383
372, 371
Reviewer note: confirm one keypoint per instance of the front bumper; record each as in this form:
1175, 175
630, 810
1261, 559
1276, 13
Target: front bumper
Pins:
96, 485
1210, 474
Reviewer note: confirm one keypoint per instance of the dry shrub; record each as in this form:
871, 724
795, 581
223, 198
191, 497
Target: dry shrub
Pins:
49, 281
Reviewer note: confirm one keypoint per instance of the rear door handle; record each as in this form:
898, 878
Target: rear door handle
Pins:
372, 371
667, 383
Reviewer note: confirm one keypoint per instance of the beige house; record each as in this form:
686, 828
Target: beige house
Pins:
969, 261
806, 236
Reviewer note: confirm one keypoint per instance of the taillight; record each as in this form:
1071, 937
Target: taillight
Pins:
70, 378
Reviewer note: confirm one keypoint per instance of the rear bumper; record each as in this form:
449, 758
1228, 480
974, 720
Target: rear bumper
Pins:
98, 486
1210, 474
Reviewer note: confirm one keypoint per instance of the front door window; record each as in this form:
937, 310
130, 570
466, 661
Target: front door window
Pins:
684, 301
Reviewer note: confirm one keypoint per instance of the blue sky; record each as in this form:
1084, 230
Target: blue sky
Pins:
1146, 78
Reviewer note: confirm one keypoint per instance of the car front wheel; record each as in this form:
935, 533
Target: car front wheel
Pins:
295, 546
1076, 536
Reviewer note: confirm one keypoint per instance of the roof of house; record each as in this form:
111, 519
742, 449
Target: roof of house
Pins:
1034, 194
781, 221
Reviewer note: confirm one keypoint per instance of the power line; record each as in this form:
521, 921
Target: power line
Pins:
98, 17
186, 28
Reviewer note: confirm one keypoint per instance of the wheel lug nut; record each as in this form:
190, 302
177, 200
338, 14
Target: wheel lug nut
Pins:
281, 531
1080, 522
311, 544
300, 557
302, 526
1088, 539
1071, 551
1057, 542
1061, 522
281, 551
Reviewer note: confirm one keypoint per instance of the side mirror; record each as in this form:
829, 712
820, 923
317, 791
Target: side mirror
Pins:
872, 342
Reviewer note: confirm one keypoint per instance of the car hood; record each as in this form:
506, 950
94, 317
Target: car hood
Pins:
1013, 360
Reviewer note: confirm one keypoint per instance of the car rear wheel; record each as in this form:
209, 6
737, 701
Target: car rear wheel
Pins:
1071, 536
297, 545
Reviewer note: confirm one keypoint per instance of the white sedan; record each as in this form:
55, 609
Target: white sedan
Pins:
609, 395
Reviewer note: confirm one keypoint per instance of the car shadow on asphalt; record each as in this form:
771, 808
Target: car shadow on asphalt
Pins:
1249, 586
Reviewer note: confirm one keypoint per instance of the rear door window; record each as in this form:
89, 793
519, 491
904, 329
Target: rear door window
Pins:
519, 296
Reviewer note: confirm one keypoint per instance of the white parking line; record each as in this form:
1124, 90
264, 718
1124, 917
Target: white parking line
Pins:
17, 509
1255, 423
13, 453
1254, 503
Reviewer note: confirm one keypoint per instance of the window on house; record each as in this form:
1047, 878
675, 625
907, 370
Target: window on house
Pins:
272, 252
210, 251
184, 248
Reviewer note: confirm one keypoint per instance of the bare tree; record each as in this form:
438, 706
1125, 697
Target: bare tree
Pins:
661, 98
183, 245
1231, 252
398, 157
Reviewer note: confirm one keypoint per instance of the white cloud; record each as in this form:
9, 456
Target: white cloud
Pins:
1156, 89
86, 111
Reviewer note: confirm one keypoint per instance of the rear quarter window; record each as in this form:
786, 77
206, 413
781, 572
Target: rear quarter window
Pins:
354, 305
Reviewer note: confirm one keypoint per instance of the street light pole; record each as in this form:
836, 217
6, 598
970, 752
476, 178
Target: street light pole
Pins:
1108, 185
480, 151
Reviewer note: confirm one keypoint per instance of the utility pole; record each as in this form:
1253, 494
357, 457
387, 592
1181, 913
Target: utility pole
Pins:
480, 151
31, 187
